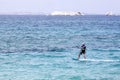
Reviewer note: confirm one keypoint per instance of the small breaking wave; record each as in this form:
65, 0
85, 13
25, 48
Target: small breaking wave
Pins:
49, 49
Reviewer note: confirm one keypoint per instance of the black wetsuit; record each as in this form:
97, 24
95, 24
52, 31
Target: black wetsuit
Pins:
83, 49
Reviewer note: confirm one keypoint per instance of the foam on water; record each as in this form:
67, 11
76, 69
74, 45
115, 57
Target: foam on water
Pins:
98, 60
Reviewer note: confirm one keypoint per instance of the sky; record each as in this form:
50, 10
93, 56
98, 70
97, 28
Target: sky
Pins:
49, 6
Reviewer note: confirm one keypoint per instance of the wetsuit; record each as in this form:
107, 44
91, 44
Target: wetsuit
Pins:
83, 49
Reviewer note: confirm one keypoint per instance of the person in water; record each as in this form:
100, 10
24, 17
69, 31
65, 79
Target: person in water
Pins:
83, 51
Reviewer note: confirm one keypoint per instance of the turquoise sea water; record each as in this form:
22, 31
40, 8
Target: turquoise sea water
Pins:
45, 47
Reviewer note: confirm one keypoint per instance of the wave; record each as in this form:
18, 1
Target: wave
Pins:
44, 49
107, 50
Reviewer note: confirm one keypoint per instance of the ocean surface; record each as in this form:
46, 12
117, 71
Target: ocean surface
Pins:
46, 47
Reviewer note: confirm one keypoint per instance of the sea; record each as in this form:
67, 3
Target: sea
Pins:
36, 47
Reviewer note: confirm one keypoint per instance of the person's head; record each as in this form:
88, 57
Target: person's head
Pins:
83, 44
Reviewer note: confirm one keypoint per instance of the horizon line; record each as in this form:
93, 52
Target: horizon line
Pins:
43, 13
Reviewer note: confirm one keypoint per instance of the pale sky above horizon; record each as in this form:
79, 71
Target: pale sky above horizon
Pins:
48, 6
